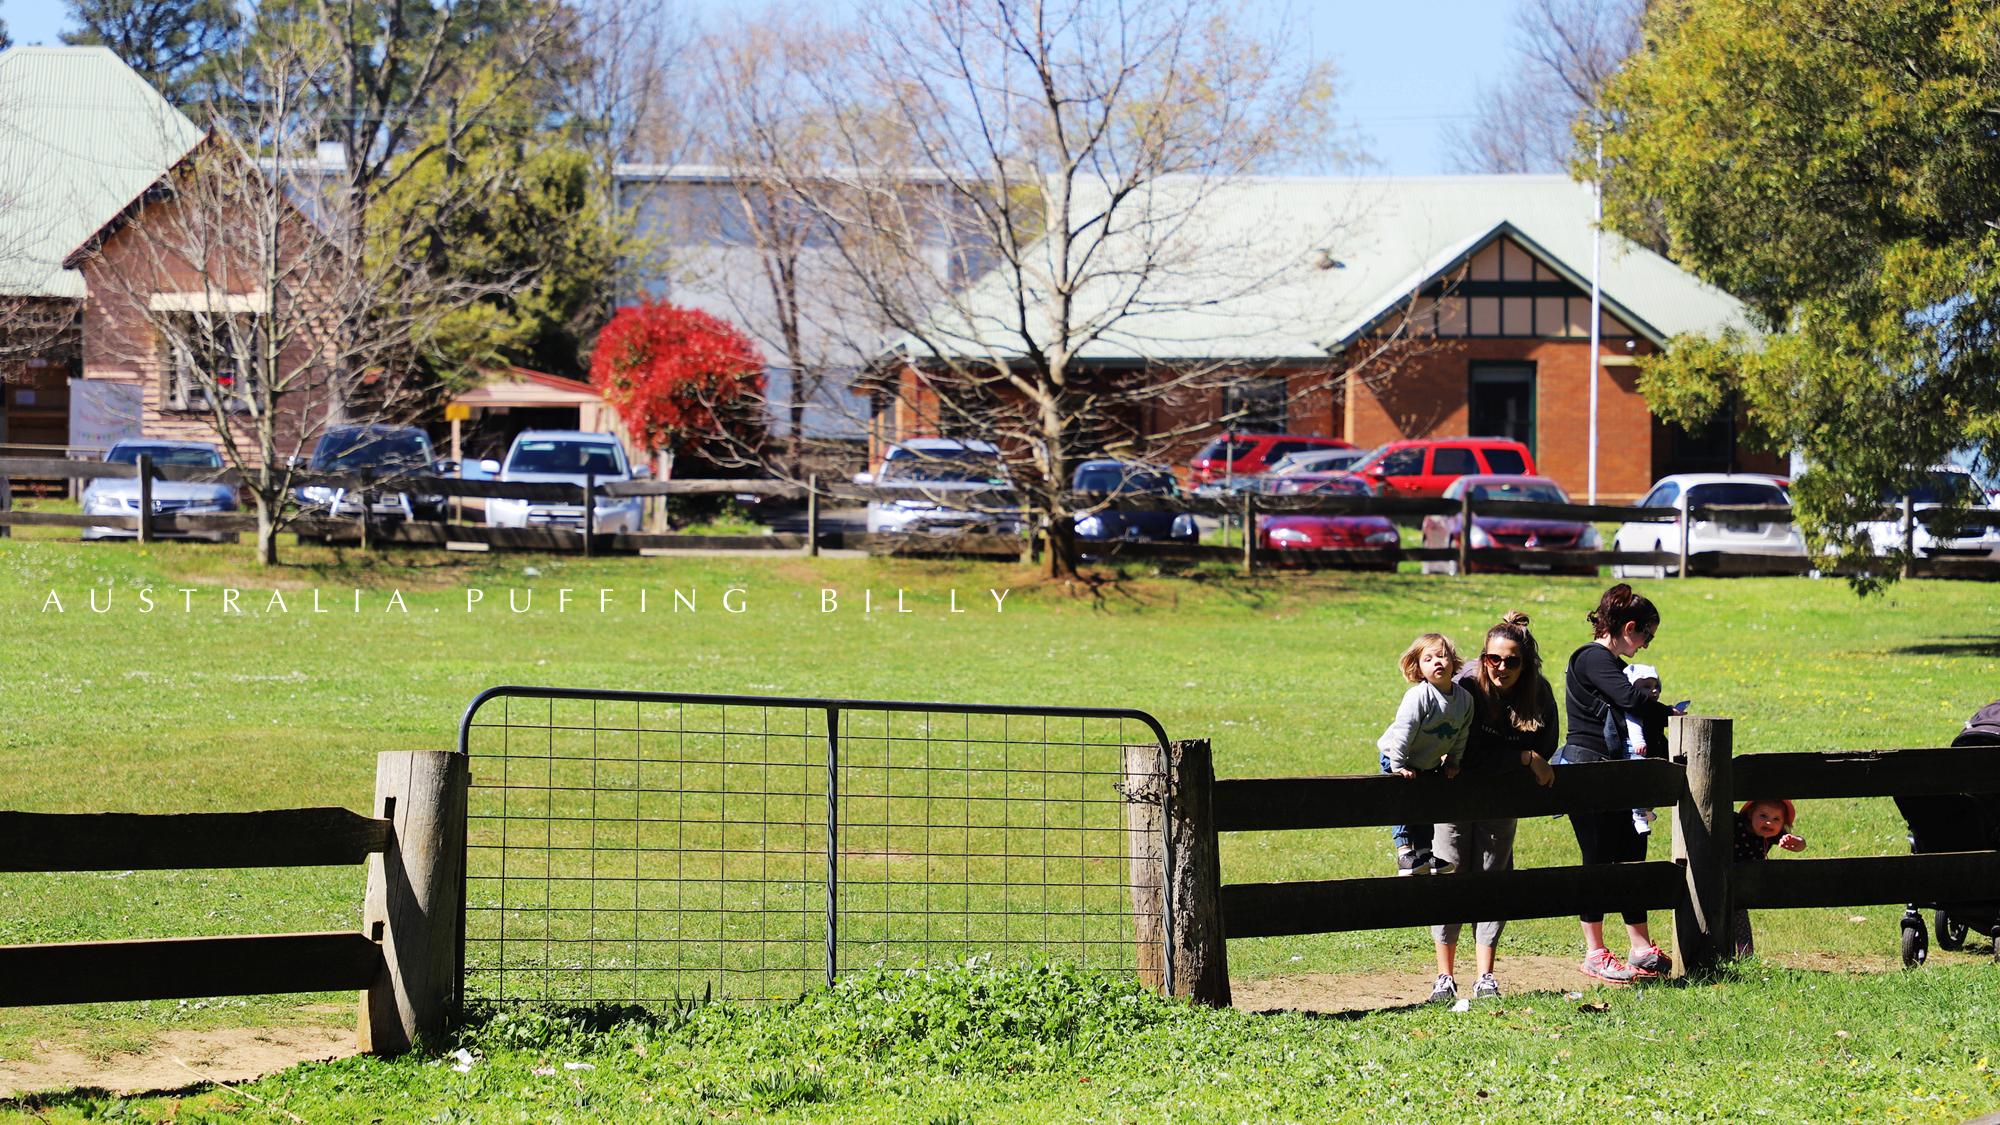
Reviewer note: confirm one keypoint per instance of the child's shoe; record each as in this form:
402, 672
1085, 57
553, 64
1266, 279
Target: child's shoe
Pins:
1650, 962
1416, 861
1445, 991
1642, 821
1602, 965
1487, 988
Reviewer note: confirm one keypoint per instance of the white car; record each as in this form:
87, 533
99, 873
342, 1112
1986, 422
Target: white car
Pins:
564, 457
119, 496
1944, 480
1737, 536
938, 466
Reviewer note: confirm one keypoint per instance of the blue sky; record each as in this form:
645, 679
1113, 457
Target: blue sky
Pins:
1409, 69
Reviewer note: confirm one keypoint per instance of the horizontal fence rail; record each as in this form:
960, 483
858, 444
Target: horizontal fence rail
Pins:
1334, 905
638, 846
1270, 804
316, 837
177, 968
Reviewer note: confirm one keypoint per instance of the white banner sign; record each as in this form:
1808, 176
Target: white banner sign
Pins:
102, 413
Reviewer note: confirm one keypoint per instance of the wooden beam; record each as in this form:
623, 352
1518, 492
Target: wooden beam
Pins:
89, 972
1334, 905
1276, 804
1874, 773
69, 519
316, 837
1868, 880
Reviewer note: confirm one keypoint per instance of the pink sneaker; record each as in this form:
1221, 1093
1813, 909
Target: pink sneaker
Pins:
1602, 965
1650, 962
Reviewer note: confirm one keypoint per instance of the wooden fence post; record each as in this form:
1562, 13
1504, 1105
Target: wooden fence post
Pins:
1465, 533
812, 516
412, 906
145, 467
1704, 840
1187, 918
1249, 532
589, 511
1909, 537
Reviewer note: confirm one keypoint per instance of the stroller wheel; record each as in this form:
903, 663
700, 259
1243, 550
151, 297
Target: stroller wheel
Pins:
1950, 934
1916, 943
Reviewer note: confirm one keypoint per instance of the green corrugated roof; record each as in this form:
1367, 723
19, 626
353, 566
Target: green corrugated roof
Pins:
81, 136
1241, 278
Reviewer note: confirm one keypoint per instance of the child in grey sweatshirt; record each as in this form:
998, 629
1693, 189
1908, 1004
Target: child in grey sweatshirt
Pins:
1428, 733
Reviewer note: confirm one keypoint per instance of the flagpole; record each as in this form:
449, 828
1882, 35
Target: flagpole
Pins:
1596, 311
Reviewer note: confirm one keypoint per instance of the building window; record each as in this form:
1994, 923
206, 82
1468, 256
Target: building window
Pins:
207, 353
1502, 402
1255, 405
1709, 447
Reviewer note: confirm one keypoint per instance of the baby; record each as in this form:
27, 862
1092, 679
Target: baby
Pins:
1646, 678
1428, 734
1759, 824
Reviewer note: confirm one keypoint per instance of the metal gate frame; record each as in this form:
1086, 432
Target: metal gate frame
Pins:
832, 708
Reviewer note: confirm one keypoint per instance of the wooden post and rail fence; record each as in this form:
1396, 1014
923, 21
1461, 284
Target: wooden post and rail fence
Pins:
376, 530
1699, 883
404, 961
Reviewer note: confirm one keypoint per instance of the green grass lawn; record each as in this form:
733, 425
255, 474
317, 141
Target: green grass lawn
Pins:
179, 710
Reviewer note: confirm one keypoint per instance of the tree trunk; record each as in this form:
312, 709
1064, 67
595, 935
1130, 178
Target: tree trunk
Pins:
267, 532
1062, 542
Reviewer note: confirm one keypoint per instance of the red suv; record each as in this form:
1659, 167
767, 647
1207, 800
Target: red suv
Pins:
1245, 455
1428, 466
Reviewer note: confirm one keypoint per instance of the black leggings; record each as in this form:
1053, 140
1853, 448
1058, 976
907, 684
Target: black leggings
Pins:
1608, 837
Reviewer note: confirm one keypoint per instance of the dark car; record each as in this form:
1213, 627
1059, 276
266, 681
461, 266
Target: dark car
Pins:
1516, 532
385, 452
1128, 478
1319, 532
1239, 455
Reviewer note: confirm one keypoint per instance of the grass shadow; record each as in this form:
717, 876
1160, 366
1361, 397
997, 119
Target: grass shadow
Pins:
1951, 646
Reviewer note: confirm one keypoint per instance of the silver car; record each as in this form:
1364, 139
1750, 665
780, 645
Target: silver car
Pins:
112, 496
565, 457
1941, 483
938, 466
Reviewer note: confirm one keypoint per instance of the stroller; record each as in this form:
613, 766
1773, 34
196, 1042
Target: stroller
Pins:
1954, 822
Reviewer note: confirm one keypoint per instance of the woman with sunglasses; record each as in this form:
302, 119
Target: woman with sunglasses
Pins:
1597, 695
1513, 725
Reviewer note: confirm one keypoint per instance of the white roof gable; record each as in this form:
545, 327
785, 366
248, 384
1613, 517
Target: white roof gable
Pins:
81, 136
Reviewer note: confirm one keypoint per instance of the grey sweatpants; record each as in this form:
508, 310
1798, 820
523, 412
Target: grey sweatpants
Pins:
1478, 846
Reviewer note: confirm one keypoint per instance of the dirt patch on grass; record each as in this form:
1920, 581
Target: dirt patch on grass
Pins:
1362, 992
233, 1054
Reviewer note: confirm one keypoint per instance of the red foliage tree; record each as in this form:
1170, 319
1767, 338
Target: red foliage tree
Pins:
680, 379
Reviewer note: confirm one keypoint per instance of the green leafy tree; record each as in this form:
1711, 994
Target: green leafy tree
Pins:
169, 42
1836, 166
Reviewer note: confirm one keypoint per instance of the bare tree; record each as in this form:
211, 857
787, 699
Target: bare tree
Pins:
1006, 187
263, 306
1568, 50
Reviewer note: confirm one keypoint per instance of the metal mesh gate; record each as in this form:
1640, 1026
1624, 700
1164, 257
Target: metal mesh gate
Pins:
637, 846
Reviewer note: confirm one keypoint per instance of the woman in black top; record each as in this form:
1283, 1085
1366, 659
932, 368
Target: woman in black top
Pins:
1595, 690
1513, 726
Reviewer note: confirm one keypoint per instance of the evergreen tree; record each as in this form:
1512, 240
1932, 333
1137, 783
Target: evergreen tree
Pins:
169, 42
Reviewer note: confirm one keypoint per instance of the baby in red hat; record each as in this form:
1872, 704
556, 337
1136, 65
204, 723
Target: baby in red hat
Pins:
1759, 824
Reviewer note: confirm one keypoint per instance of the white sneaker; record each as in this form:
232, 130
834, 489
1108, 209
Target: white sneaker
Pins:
1445, 990
1487, 988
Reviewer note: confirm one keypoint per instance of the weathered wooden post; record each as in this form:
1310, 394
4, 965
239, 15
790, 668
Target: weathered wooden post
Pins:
1704, 839
1176, 871
1687, 533
145, 467
812, 516
1909, 536
1249, 531
412, 905
1465, 533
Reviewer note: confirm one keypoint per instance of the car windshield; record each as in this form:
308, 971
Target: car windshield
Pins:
371, 449
1223, 450
948, 465
1710, 495
578, 458
1539, 491
165, 455
1118, 478
1938, 488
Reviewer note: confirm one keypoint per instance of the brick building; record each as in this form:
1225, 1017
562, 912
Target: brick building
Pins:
1390, 308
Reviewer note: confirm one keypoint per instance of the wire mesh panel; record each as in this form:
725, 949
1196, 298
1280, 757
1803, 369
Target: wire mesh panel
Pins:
634, 847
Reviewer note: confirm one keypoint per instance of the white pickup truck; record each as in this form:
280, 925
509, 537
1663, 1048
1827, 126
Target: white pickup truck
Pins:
564, 457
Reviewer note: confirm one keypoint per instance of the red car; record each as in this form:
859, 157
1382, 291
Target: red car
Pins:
1308, 532
1511, 531
1246, 455
1427, 467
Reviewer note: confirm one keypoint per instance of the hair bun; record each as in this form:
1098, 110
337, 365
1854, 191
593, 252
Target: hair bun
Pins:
1515, 618
1620, 595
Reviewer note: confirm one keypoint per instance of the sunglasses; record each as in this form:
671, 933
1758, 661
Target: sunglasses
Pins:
1495, 660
